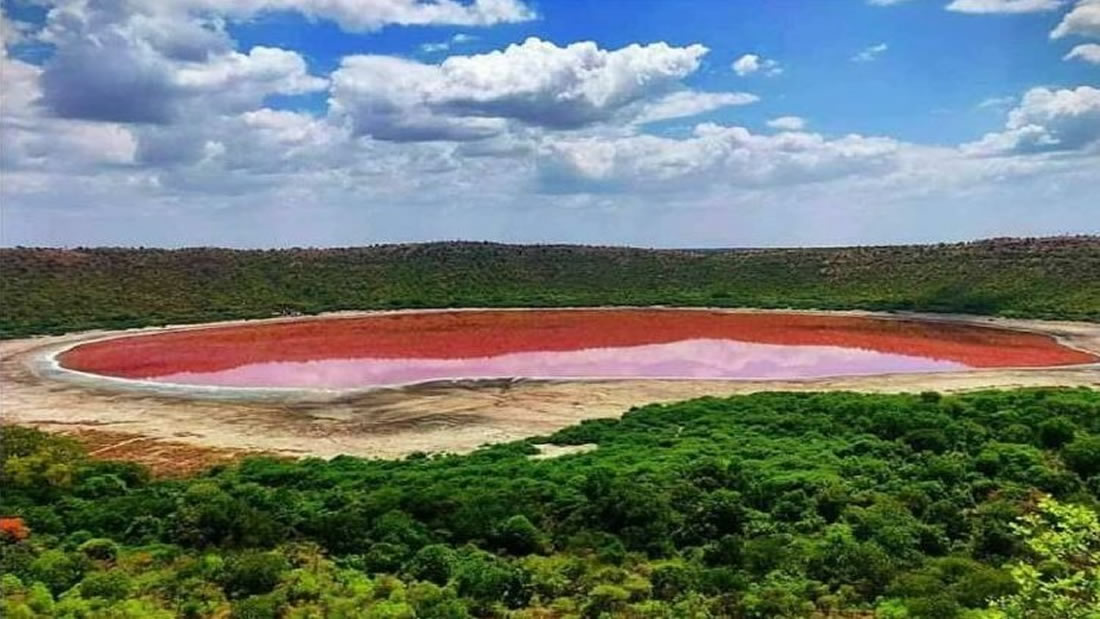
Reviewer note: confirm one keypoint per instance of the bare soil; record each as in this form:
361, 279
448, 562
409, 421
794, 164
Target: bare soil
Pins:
176, 433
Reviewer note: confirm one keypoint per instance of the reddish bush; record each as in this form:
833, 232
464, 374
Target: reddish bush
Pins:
13, 529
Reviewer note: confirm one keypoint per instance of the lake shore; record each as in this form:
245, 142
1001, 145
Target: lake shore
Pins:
452, 416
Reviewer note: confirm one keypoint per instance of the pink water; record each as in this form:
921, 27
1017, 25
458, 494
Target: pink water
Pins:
696, 358
388, 349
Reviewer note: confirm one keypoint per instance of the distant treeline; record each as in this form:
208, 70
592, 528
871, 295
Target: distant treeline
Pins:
55, 290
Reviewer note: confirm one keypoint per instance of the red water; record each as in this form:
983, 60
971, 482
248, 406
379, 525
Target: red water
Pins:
401, 348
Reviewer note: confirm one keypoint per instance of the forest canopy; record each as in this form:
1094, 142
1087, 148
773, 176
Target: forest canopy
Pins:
767, 505
56, 290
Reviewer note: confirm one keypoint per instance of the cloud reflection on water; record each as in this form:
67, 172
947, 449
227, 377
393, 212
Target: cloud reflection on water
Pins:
694, 358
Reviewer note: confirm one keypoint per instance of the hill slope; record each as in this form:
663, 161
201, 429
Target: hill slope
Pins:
51, 290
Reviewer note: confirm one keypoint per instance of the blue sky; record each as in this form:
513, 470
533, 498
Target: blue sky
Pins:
926, 87
301, 122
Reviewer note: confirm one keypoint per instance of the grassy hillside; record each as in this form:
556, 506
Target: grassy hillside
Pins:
51, 290
769, 505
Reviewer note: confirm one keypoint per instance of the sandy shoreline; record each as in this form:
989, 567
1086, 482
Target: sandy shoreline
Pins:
440, 416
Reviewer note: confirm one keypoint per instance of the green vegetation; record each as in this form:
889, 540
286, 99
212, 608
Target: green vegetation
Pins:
769, 505
52, 291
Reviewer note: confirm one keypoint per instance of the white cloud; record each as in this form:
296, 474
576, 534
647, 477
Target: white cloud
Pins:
33, 143
687, 103
441, 46
1004, 6
1046, 120
1083, 20
366, 15
788, 123
997, 103
713, 155
1088, 52
150, 126
119, 66
434, 47
269, 70
869, 54
752, 63
12, 32
391, 98
535, 83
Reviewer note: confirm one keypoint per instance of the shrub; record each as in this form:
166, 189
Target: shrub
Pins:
100, 549
252, 573
58, 570
433, 563
1083, 456
1053, 433
519, 537
112, 584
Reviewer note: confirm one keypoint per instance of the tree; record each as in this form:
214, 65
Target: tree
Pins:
433, 563
1053, 433
112, 584
59, 570
519, 537
1063, 579
1083, 456
253, 573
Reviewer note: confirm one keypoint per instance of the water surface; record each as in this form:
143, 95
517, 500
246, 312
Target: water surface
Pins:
391, 349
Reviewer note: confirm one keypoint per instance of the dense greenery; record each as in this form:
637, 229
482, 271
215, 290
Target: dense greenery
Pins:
51, 290
769, 505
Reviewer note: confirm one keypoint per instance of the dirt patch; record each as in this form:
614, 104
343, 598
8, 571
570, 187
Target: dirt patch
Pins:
164, 458
549, 450
456, 417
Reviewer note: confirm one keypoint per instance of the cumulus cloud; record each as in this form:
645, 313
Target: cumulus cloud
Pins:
1089, 52
264, 70
124, 66
714, 153
390, 98
1083, 20
33, 143
1046, 120
788, 123
535, 83
869, 54
1003, 6
752, 63
687, 103
149, 112
12, 32
366, 15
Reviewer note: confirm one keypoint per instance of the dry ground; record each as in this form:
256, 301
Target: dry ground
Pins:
178, 434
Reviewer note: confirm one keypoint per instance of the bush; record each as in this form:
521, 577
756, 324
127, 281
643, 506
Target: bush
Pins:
518, 536
671, 580
256, 607
1083, 456
606, 600
385, 557
99, 549
1053, 433
112, 584
58, 570
252, 573
487, 579
433, 563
